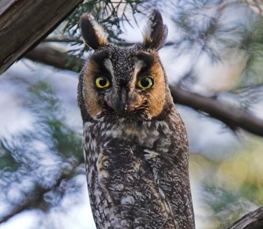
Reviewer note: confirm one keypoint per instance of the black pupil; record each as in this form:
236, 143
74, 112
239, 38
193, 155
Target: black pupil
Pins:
103, 82
145, 82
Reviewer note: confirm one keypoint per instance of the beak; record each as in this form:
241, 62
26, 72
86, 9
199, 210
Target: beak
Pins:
123, 101
119, 102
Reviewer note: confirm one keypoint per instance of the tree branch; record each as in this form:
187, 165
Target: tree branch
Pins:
234, 118
55, 57
61, 40
252, 220
24, 23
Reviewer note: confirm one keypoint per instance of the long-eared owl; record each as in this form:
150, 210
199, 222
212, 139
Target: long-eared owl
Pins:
135, 143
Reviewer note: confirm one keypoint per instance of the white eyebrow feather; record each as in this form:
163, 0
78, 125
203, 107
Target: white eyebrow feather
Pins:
109, 66
138, 66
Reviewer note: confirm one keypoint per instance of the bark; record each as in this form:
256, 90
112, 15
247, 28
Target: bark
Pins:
252, 220
55, 57
24, 23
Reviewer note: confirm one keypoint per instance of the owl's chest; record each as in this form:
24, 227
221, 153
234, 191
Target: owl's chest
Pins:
111, 145
148, 135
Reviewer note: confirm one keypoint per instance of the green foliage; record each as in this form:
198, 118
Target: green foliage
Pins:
7, 162
66, 141
252, 43
231, 187
224, 206
40, 165
110, 14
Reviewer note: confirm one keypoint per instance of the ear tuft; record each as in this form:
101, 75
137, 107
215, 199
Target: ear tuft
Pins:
92, 33
155, 32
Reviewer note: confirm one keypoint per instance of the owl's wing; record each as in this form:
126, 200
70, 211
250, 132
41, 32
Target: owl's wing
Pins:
171, 179
130, 192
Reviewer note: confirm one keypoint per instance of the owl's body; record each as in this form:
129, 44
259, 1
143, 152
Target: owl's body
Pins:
135, 143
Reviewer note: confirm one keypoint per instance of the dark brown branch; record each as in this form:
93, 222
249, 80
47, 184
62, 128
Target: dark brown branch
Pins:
61, 40
252, 220
24, 23
234, 118
29, 203
51, 56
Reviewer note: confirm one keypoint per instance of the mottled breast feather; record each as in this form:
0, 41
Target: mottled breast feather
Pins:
138, 174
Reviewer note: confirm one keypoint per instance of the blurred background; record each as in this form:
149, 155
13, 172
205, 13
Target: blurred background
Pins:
214, 49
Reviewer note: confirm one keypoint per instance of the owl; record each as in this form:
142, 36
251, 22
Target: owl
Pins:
135, 143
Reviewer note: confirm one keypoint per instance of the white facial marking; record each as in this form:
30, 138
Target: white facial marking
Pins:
109, 66
138, 66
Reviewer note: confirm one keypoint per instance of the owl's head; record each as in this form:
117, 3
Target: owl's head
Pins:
123, 82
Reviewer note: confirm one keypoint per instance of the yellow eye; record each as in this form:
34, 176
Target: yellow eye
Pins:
145, 82
102, 82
